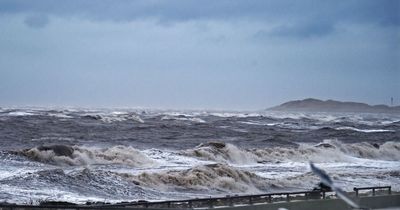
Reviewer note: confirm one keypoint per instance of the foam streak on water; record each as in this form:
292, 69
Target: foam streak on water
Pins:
123, 155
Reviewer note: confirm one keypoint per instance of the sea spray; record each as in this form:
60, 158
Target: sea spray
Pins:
330, 150
222, 152
75, 155
214, 177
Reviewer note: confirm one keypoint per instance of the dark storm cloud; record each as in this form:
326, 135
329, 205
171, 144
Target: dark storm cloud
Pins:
37, 21
381, 12
208, 53
308, 30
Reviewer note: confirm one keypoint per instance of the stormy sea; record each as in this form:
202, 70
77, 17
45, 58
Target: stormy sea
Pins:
115, 155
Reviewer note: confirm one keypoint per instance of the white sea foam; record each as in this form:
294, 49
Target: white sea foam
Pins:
20, 113
119, 118
234, 114
331, 150
54, 138
209, 169
222, 152
359, 118
388, 122
287, 125
59, 115
225, 168
214, 177
284, 115
365, 130
110, 117
183, 118
257, 123
174, 159
86, 156
7, 172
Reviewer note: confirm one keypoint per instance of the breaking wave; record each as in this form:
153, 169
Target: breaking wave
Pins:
20, 113
183, 118
365, 130
75, 155
214, 177
78, 186
330, 150
222, 152
114, 117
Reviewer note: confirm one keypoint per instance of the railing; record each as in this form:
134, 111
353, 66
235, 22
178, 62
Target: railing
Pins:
229, 200
357, 189
206, 202
245, 199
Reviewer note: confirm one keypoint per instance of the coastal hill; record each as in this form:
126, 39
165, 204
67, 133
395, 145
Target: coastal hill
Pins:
316, 105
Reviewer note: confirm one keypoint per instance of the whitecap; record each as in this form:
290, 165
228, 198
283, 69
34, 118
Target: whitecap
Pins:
79, 156
20, 113
365, 130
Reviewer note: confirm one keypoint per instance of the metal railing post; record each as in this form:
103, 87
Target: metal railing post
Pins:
356, 190
230, 201
211, 203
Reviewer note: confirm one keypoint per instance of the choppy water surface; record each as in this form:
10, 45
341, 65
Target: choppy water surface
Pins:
123, 155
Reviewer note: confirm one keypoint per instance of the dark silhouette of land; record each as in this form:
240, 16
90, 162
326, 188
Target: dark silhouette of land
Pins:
316, 105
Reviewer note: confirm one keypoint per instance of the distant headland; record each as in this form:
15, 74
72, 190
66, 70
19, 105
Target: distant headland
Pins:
316, 105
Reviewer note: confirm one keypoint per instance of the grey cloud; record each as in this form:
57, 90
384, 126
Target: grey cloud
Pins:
206, 61
36, 21
384, 12
308, 30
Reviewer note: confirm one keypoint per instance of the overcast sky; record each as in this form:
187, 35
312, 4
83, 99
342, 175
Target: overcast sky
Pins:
208, 54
